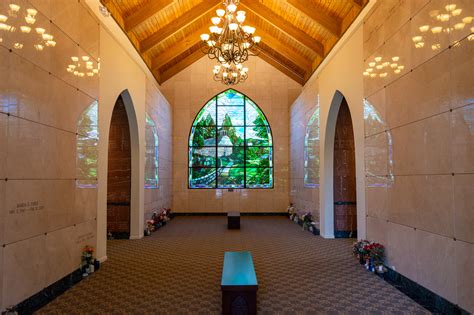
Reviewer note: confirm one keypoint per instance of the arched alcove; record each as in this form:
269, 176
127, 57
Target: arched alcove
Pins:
119, 173
128, 194
327, 189
344, 175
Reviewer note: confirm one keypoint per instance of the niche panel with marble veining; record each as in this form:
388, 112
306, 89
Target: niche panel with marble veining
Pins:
419, 146
49, 60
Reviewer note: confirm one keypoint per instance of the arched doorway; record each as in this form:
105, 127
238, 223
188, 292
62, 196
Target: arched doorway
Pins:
344, 175
119, 173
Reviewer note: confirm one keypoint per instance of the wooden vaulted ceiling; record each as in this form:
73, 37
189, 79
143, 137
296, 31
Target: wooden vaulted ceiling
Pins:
296, 34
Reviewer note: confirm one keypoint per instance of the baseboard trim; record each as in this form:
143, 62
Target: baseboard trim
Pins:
40, 299
345, 234
136, 237
426, 298
194, 214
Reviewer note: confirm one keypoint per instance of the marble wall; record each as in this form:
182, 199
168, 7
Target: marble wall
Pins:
419, 126
159, 110
46, 218
188, 92
304, 197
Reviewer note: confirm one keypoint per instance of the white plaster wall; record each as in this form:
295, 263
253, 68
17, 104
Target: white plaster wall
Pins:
113, 81
123, 70
342, 73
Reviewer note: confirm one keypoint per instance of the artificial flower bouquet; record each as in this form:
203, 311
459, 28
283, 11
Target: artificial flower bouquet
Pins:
370, 254
358, 249
291, 212
307, 219
87, 260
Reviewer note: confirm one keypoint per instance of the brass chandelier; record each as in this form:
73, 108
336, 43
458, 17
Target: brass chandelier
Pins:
229, 40
230, 74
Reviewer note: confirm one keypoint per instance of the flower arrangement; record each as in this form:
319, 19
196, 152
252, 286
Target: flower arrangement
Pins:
87, 260
370, 254
307, 219
376, 253
358, 249
150, 227
158, 219
291, 212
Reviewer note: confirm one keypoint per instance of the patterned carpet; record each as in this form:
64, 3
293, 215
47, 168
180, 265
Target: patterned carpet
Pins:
177, 270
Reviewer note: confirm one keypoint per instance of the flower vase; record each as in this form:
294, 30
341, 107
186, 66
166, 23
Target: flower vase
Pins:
361, 259
380, 269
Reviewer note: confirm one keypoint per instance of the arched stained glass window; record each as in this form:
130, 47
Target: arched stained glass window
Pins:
230, 145
311, 151
151, 153
87, 140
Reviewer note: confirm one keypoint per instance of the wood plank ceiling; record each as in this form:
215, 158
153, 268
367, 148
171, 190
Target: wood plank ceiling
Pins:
296, 34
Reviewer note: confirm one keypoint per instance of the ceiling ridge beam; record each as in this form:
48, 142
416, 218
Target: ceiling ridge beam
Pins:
332, 24
177, 49
279, 22
144, 13
182, 21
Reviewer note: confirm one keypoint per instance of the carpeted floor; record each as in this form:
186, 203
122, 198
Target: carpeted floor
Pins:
178, 269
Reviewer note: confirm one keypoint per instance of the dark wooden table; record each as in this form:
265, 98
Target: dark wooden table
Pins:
233, 220
239, 284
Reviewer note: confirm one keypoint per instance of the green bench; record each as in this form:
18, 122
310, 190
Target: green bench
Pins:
239, 284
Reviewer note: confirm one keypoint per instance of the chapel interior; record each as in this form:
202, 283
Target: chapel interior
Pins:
236, 156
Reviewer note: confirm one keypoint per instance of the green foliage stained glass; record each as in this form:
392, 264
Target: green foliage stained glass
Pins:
230, 145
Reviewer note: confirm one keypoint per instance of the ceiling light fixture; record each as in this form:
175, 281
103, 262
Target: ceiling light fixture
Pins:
229, 40
230, 74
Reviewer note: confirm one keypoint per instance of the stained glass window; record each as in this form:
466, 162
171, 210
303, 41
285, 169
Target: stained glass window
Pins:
151, 153
87, 140
311, 151
230, 145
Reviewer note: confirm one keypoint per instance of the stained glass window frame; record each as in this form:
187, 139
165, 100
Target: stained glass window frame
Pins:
215, 184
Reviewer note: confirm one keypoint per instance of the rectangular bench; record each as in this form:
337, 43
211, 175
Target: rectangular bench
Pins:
239, 284
233, 220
